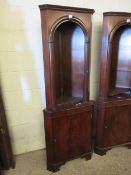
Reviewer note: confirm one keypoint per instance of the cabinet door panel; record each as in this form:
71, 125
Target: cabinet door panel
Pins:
117, 126
72, 135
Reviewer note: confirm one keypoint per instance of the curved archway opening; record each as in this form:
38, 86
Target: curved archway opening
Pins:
68, 63
120, 68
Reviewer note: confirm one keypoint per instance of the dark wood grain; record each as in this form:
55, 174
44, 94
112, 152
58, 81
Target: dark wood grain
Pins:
6, 154
114, 102
126, 14
66, 8
120, 73
68, 134
63, 61
68, 63
66, 34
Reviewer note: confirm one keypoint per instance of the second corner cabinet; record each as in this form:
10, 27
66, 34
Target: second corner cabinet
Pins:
66, 35
114, 103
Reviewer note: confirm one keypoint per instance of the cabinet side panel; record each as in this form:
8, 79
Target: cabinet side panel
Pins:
49, 137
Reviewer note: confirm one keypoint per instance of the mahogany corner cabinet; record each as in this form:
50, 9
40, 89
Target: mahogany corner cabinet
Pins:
66, 33
114, 102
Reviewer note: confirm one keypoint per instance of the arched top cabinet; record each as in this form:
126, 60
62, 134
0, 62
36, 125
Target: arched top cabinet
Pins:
113, 125
115, 81
66, 45
66, 33
120, 63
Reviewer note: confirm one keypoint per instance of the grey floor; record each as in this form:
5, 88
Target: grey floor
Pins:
116, 162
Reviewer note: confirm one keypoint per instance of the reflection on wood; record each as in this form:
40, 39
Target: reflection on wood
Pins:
68, 113
68, 61
114, 102
120, 91
120, 77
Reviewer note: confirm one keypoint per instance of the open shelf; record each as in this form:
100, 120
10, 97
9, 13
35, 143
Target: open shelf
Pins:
68, 117
68, 63
120, 68
120, 92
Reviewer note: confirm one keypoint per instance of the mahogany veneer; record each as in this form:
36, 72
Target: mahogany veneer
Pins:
114, 102
68, 115
68, 134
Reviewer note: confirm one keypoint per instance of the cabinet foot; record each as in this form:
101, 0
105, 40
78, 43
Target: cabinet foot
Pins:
100, 151
87, 156
54, 167
129, 146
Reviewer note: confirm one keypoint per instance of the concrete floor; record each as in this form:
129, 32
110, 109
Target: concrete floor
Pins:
116, 162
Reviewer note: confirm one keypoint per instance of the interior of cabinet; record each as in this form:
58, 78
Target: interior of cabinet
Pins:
68, 63
120, 68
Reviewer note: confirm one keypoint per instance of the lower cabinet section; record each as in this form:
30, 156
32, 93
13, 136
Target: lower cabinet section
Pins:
68, 134
113, 125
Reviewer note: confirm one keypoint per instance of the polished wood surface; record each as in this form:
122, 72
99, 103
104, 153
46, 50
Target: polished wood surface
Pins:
68, 63
120, 73
66, 34
66, 8
113, 126
111, 13
66, 31
6, 154
117, 123
68, 134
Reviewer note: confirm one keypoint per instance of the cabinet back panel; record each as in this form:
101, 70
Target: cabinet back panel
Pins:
120, 69
68, 63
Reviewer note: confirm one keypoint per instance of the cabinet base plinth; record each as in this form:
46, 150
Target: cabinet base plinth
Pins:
128, 146
87, 156
54, 167
101, 152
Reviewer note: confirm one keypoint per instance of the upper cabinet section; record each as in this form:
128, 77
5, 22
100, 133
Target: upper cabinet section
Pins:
120, 68
116, 55
66, 46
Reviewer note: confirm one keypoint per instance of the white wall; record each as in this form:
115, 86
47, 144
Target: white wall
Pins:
21, 65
